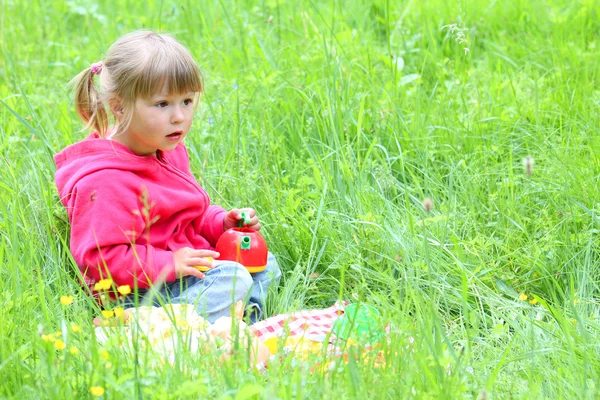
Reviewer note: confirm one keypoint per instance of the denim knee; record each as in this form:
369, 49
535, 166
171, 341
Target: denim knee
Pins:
239, 277
272, 269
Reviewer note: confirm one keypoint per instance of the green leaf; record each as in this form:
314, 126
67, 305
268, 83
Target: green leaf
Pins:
505, 288
248, 391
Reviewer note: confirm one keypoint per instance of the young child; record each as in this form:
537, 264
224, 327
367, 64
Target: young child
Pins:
137, 215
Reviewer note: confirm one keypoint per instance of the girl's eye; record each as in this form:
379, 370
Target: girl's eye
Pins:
187, 102
162, 104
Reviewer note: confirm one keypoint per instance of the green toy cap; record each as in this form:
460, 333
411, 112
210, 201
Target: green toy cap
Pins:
360, 321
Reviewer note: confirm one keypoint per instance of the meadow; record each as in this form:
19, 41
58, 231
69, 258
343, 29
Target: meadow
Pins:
438, 160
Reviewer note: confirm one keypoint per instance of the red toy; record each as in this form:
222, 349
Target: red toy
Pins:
244, 245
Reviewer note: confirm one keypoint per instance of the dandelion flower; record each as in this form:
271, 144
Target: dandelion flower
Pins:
523, 297
59, 344
124, 290
66, 300
103, 284
107, 313
104, 354
119, 312
74, 350
533, 301
75, 328
97, 391
48, 338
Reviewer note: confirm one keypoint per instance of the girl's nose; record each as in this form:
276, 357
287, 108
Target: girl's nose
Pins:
177, 115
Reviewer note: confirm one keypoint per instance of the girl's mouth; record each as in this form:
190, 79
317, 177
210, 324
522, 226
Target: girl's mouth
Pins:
174, 136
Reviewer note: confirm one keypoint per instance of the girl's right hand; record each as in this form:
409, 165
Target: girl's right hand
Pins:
186, 259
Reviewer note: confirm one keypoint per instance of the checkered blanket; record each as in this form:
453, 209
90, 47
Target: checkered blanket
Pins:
301, 332
312, 324
308, 332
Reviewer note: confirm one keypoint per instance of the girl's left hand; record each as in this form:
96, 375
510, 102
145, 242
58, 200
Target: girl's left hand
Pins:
232, 218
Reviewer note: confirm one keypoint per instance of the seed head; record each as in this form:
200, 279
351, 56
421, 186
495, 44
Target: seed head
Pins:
528, 165
427, 204
482, 395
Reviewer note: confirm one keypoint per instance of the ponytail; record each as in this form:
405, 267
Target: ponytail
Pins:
88, 102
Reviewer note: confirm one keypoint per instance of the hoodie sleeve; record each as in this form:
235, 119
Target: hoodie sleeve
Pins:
107, 228
212, 224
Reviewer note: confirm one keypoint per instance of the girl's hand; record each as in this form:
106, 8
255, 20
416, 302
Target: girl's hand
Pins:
233, 216
186, 259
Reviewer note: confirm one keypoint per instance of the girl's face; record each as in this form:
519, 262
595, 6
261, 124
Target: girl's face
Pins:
159, 123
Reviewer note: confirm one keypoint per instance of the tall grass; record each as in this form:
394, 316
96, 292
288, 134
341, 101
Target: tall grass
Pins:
335, 120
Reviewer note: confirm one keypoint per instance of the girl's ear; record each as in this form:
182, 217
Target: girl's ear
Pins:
116, 106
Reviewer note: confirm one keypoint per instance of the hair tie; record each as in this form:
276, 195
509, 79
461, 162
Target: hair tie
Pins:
96, 68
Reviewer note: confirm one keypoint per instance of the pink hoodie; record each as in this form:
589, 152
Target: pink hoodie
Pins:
129, 213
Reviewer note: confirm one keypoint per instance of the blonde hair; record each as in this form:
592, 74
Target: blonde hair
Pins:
139, 64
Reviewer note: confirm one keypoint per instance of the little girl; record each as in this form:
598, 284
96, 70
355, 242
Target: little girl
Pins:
137, 215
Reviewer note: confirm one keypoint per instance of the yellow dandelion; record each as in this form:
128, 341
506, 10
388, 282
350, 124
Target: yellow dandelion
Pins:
75, 328
48, 338
104, 354
523, 297
119, 312
106, 283
108, 313
103, 284
74, 350
66, 300
124, 290
97, 391
533, 301
59, 344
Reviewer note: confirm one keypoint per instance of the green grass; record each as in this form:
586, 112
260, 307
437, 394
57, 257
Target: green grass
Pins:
335, 120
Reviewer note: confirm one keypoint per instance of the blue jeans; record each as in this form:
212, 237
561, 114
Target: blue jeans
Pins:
224, 285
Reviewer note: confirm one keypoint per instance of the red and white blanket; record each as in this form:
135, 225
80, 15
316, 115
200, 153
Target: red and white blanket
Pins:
315, 324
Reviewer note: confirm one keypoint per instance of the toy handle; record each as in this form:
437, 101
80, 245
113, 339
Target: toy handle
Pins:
245, 220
